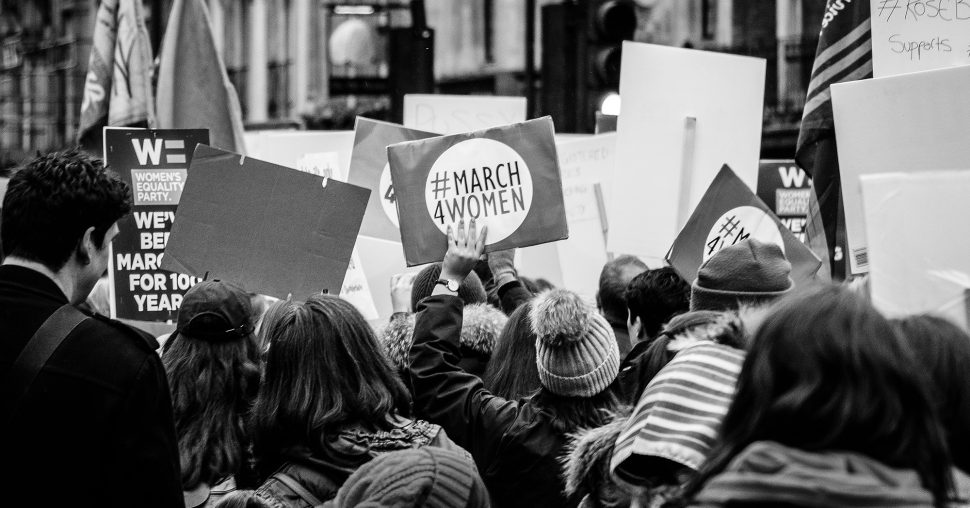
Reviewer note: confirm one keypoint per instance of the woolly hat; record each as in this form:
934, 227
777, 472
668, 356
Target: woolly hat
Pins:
429, 477
471, 289
679, 414
748, 269
214, 311
576, 351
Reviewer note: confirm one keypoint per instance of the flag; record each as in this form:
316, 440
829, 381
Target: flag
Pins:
194, 90
118, 84
844, 53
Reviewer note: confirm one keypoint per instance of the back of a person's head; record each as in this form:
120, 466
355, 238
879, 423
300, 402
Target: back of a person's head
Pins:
943, 350
511, 373
470, 291
323, 346
614, 279
749, 273
655, 296
826, 372
211, 361
428, 477
53, 200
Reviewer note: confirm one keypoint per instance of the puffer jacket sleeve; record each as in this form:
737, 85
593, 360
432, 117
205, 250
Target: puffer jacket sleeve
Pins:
446, 395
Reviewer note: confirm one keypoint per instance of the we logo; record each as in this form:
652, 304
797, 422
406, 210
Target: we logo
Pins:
149, 151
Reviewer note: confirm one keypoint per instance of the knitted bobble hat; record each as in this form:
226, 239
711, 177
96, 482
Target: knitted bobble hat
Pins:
747, 270
576, 351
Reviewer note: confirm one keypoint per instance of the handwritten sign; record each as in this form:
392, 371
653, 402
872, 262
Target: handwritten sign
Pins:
356, 289
906, 123
155, 164
455, 114
916, 229
656, 153
507, 178
295, 148
919, 35
786, 189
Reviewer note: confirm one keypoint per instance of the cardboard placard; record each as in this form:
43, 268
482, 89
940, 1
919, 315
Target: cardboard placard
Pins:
786, 189
456, 114
271, 229
918, 35
381, 259
295, 148
661, 155
912, 122
356, 289
729, 213
154, 163
369, 169
918, 246
506, 178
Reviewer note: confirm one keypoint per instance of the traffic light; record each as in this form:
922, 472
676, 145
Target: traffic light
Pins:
581, 54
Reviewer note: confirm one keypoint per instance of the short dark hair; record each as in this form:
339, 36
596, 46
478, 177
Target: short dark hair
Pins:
53, 199
614, 278
324, 369
655, 296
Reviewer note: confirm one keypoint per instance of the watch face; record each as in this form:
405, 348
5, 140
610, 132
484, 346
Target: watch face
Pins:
453, 285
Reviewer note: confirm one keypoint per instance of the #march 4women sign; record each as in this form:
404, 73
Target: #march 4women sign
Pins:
506, 178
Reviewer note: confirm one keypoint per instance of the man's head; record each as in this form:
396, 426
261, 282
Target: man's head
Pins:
61, 210
747, 274
614, 279
653, 297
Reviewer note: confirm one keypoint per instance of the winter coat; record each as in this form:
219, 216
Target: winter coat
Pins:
767, 473
587, 466
514, 443
95, 427
323, 470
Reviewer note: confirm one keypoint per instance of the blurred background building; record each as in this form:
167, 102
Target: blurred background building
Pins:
318, 63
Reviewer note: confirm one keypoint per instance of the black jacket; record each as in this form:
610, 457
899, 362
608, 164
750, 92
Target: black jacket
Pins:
513, 443
96, 427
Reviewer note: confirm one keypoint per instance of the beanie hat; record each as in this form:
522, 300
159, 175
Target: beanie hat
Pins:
470, 291
679, 414
749, 269
576, 350
214, 311
481, 326
429, 476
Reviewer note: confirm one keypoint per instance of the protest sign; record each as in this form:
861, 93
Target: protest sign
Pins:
369, 169
455, 114
906, 123
786, 189
381, 259
917, 35
918, 246
727, 214
356, 289
685, 114
294, 149
507, 178
154, 163
271, 229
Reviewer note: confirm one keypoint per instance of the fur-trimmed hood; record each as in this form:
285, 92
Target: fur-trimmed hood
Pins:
480, 327
586, 464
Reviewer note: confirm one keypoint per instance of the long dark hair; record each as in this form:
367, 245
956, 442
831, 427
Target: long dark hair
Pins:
324, 369
511, 372
212, 385
826, 372
943, 350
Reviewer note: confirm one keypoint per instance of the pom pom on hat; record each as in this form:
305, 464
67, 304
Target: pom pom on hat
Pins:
559, 317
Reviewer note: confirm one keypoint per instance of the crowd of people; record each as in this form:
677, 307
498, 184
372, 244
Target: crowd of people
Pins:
485, 388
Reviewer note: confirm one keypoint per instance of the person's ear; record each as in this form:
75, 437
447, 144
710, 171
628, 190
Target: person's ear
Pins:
86, 246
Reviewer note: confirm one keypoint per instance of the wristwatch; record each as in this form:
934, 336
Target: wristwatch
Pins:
452, 285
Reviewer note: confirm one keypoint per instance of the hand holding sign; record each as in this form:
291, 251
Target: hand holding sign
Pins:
401, 287
464, 250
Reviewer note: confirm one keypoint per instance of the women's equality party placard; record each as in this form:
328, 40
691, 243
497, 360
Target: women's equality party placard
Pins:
506, 178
